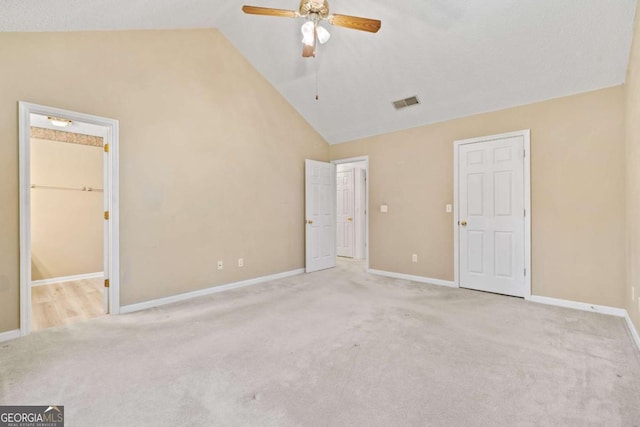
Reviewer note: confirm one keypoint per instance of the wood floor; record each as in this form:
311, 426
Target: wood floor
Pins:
64, 303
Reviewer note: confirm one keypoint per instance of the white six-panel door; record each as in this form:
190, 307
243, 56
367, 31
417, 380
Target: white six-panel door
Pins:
320, 211
491, 216
346, 213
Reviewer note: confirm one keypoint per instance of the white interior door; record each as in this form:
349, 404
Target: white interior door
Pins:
360, 213
320, 211
346, 213
491, 216
105, 229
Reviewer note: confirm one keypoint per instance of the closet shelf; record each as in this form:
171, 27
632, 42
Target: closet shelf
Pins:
52, 187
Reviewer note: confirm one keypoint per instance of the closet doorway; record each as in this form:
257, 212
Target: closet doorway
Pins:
330, 228
351, 209
68, 236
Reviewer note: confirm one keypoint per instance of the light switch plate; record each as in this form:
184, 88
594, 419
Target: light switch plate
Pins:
384, 208
220, 265
449, 208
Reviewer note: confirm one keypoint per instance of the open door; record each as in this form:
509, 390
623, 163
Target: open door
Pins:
346, 213
320, 211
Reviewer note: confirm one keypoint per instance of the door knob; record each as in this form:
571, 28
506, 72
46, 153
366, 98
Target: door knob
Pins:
309, 221
349, 219
463, 223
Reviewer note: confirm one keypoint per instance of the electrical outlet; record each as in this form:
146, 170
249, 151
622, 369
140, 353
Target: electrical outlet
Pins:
414, 258
240, 262
220, 265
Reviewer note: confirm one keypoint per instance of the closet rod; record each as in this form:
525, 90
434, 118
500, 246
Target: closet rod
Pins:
51, 187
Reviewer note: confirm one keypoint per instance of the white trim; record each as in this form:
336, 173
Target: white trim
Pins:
412, 278
208, 291
594, 308
602, 309
25, 109
632, 329
364, 159
10, 335
63, 279
25, 220
526, 135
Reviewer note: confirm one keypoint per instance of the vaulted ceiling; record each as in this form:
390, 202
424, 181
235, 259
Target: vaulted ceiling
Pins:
460, 57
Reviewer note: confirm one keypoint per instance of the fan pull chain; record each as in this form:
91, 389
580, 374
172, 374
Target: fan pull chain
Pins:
316, 61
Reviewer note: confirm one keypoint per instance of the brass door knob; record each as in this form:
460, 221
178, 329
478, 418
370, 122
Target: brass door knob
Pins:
463, 223
349, 219
309, 221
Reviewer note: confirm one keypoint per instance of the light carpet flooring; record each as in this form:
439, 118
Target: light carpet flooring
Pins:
333, 348
64, 303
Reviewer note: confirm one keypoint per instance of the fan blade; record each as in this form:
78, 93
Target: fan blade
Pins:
255, 10
356, 23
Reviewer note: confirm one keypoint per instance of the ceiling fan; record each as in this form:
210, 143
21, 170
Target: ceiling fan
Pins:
315, 11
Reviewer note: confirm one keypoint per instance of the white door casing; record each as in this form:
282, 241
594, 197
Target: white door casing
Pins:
111, 187
105, 227
492, 198
345, 213
361, 220
320, 211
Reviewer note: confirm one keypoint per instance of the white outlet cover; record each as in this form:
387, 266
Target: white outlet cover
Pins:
384, 208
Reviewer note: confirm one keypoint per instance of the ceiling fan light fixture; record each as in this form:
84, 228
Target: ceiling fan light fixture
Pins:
307, 33
323, 35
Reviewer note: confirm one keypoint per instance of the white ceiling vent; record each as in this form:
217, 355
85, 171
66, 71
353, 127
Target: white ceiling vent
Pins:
407, 102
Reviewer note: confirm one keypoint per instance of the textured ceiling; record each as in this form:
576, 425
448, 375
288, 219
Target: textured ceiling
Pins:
460, 57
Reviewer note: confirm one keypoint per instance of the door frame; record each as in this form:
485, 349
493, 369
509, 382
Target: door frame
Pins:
25, 109
526, 135
353, 215
364, 159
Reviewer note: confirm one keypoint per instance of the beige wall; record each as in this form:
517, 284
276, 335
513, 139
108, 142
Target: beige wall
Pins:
632, 91
211, 156
577, 160
212, 168
66, 226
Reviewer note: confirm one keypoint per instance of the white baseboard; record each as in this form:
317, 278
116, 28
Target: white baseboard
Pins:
63, 279
603, 309
208, 291
9, 335
420, 279
632, 329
